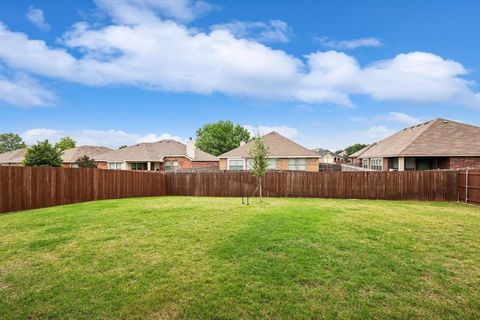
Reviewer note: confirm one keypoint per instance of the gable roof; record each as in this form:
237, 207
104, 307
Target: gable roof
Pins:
72, 155
324, 152
439, 137
154, 151
361, 151
278, 146
13, 157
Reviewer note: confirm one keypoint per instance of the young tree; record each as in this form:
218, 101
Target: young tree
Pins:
10, 142
220, 137
43, 154
65, 143
86, 162
259, 156
354, 148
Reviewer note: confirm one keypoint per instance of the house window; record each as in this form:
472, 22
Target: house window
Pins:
139, 166
235, 164
272, 164
115, 165
410, 164
377, 164
171, 166
365, 163
395, 164
75, 165
297, 164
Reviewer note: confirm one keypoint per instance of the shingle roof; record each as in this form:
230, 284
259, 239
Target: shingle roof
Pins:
154, 151
361, 151
72, 155
13, 157
278, 146
439, 137
324, 152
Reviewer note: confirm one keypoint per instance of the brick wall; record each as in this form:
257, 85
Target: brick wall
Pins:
102, 165
464, 162
223, 164
184, 163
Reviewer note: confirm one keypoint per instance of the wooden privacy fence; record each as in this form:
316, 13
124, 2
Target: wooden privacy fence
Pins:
24, 188
419, 185
469, 186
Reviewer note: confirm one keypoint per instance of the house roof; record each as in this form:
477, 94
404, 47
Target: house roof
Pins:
278, 146
13, 157
361, 151
439, 137
72, 155
324, 152
154, 151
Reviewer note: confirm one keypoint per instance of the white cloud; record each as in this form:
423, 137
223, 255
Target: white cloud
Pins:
348, 44
267, 32
286, 131
35, 16
145, 11
399, 117
109, 138
22, 90
143, 49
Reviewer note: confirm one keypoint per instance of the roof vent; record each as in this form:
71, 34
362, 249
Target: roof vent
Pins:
445, 121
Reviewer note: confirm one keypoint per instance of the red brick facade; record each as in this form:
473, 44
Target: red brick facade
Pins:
464, 162
185, 164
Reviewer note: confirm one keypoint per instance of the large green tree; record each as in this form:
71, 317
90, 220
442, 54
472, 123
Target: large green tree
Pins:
65, 143
259, 157
354, 148
220, 137
10, 142
43, 154
86, 162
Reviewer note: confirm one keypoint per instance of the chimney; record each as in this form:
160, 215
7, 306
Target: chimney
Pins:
191, 149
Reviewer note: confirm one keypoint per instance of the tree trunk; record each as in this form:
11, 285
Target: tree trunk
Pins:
260, 190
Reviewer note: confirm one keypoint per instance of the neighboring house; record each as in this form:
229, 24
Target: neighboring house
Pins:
70, 156
13, 158
354, 158
164, 155
435, 144
284, 154
327, 156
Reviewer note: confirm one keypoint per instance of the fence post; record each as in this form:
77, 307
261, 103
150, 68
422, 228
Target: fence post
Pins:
466, 186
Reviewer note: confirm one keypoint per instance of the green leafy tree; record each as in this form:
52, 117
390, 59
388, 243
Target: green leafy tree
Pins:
86, 162
354, 148
43, 154
220, 137
10, 142
65, 143
259, 157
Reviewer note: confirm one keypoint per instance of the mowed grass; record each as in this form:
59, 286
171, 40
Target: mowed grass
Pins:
214, 258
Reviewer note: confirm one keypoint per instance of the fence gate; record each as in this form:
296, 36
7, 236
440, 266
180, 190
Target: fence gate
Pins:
469, 186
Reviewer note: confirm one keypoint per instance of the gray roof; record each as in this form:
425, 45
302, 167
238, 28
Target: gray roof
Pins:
324, 152
72, 155
13, 157
439, 137
154, 151
278, 146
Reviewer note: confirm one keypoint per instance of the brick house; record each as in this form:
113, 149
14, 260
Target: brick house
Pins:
69, 156
284, 154
327, 156
435, 144
164, 155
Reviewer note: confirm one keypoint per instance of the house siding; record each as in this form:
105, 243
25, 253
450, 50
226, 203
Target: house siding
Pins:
311, 164
464, 162
185, 163
223, 164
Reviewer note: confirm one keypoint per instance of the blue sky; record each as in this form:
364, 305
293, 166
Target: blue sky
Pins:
324, 73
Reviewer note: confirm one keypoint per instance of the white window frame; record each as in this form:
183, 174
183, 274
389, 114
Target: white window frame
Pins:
296, 164
377, 164
115, 165
236, 160
365, 164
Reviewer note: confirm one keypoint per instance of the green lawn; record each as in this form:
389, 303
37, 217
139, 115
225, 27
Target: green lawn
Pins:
183, 257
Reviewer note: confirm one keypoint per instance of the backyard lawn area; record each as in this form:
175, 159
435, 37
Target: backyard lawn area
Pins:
197, 258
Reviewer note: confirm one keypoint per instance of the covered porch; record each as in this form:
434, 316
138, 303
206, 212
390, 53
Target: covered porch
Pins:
417, 163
